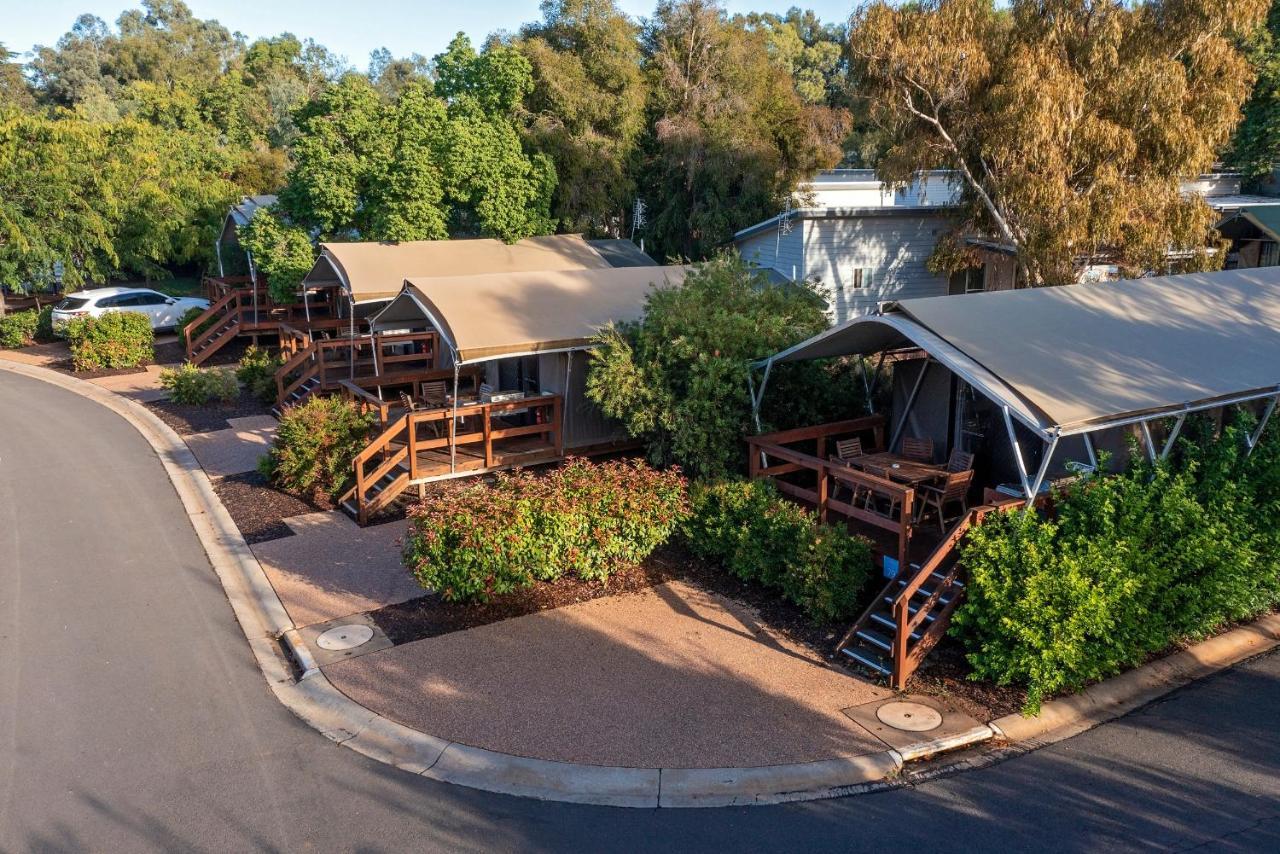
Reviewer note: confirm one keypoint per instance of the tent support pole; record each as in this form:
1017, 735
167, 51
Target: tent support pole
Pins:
1262, 425
217, 250
453, 425
1017, 452
1050, 447
253, 283
306, 306
1173, 436
911, 402
565, 411
757, 398
1093, 454
351, 353
869, 385
1150, 443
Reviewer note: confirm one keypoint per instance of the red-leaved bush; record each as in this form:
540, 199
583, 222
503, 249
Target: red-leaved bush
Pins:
472, 541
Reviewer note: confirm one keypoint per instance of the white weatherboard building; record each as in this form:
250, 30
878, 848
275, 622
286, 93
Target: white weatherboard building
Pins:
866, 244
861, 241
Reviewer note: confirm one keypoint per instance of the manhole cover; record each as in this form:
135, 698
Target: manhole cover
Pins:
911, 717
345, 637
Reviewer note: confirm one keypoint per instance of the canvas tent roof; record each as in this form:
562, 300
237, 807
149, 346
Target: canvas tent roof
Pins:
242, 211
371, 271
1075, 359
491, 316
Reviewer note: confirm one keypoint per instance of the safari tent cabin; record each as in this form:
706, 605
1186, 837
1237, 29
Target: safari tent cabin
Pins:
511, 349
997, 395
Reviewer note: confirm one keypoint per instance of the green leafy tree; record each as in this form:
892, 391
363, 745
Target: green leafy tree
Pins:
282, 252
731, 136
587, 108
678, 377
1069, 124
1256, 146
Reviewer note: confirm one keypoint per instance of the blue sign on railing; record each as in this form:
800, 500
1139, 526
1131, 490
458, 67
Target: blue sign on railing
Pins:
890, 567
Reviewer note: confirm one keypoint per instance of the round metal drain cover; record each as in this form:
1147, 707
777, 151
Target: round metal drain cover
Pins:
345, 637
911, 717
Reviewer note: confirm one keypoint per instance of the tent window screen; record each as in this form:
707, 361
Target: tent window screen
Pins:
1269, 254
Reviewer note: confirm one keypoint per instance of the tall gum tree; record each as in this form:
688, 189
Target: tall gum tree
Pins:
1069, 124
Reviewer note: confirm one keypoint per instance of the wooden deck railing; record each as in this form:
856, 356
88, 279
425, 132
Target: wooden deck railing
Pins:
770, 457
402, 442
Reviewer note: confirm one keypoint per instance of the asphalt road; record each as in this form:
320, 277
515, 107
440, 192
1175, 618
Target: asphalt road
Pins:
133, 718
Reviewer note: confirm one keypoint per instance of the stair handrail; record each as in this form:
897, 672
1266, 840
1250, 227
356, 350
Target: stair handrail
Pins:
209, 312
289, 366
905, 623
378, 445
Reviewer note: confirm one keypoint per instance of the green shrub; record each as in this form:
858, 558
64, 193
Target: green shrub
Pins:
757, 535
118, 339
18, 329
44, 324
473, 541
257, 370
678, 378
315, 445
1131, 564
187, 318
195, 386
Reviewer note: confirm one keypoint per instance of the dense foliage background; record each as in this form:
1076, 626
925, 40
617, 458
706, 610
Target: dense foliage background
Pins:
1069, 125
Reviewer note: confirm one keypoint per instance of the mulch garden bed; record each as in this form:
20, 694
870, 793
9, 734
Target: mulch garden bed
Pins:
186, 419
259, 509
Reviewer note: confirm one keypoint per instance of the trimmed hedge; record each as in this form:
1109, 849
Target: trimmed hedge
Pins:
18, 329
757, 535
118, 339
191, 385
472, 541
315, 446
1131, 565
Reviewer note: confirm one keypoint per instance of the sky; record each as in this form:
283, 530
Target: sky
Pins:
352, 28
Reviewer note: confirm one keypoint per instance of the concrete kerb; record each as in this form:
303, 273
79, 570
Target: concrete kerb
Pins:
316, 701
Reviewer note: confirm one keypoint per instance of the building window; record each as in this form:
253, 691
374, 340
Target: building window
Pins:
861, 278
969, 281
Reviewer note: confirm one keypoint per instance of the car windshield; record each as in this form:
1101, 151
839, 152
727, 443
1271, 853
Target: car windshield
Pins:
72, 303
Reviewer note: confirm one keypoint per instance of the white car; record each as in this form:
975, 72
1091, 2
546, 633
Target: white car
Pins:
163, 311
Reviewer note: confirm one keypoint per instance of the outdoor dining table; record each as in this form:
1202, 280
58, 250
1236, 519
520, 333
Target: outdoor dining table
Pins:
899, 468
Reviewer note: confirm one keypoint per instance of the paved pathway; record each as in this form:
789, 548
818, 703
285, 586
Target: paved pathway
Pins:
132, 717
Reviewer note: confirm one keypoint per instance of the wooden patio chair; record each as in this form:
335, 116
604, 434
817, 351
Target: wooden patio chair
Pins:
920, 450
846, 450
880, 502
937, 498
434, 395
960, 461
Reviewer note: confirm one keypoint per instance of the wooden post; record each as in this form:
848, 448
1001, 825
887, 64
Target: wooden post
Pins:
488, 437
904, 531
901, 615
753, 461
822, 447
822, 493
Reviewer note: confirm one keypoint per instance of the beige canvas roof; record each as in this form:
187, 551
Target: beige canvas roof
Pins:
486, 317
378, 270
1073, 359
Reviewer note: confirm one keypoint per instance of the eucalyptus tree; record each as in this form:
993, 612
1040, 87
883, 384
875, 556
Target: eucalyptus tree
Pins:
1070, 124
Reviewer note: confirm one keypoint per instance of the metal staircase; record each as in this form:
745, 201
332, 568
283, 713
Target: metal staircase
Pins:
910, 615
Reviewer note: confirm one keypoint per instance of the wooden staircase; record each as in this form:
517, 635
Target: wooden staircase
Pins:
298, 378
225, 325
376, 490
911, 614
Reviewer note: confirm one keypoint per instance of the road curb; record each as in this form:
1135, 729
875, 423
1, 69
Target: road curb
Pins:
316, 701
